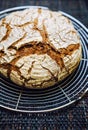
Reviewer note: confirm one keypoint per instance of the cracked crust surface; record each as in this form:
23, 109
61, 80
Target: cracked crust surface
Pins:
38, 48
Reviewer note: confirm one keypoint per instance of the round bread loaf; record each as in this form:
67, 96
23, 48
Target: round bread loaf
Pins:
38, 48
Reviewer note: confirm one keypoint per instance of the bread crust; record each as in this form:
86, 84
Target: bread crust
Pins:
38, 48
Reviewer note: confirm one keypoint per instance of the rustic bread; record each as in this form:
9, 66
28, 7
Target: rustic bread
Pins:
38, 48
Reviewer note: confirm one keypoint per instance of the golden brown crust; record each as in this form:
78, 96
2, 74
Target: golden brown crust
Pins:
38, 47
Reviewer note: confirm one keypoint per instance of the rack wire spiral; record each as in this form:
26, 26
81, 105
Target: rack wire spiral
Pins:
73, 88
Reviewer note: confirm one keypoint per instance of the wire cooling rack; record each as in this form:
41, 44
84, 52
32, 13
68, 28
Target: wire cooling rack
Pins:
72, 89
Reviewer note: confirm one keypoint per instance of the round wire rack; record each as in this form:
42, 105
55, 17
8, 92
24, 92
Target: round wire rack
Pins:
70, 90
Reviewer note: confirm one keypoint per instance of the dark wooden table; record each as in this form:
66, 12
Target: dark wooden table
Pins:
72, 118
